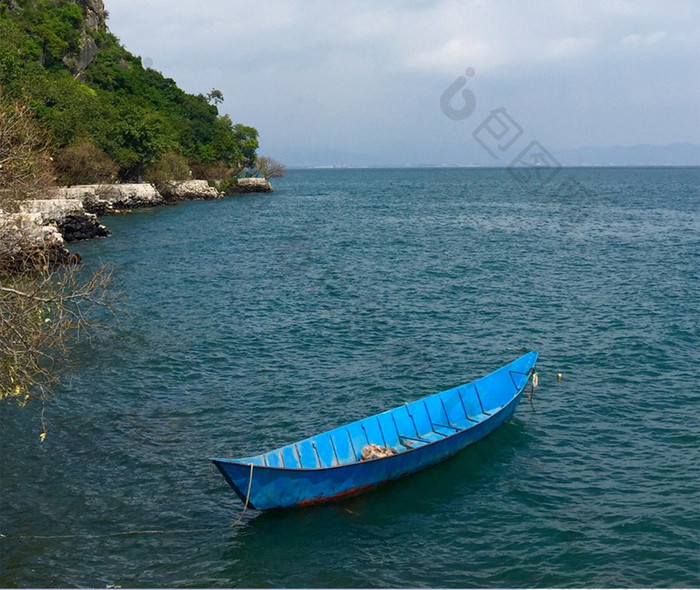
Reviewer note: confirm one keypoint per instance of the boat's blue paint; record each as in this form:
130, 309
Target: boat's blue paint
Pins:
326, 466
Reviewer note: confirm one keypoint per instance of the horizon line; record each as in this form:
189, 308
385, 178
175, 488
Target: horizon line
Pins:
475, 166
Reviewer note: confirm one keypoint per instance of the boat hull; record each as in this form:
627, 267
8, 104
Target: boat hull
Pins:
283, 487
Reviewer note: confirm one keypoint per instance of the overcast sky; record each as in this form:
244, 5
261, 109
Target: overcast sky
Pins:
360, 82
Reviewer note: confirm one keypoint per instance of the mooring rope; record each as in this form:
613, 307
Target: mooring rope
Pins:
247, 497
142, 531
119, 534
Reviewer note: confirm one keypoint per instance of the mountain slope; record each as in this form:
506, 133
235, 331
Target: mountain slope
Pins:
59, 57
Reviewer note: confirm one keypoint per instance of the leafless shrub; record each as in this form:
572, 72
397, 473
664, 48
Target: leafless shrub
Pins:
26, 171
84, 163
46, 302
270, 168
42, 313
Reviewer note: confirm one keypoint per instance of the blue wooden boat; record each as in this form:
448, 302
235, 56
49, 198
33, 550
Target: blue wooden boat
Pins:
328, 466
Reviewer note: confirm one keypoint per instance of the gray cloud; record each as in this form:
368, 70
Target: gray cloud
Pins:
360, 79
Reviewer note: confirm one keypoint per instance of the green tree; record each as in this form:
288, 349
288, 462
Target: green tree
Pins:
144, 137
225, 144
215, 96
247, 138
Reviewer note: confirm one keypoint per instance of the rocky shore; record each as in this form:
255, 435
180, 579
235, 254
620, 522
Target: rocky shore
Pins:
253, 185
48, 224
69, 216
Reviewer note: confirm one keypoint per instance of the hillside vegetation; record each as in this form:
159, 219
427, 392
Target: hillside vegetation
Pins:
76, 107
107, 116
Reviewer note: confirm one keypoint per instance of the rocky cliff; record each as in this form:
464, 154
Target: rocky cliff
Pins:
95, 15
94, 20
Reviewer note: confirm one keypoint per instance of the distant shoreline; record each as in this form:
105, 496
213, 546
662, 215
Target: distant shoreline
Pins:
484, 167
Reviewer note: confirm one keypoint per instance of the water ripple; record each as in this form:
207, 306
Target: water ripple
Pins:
259, 320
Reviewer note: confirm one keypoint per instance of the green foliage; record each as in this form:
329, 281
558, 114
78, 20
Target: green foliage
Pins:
228, 185
215, 96
51, 27
247, 137
135, 115
170, 166
69, 109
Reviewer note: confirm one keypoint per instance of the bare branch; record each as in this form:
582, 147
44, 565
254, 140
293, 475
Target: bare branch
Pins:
45, 305
270, 168
25, 166
23, 294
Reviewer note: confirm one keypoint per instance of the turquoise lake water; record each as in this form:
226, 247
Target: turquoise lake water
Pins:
254, 321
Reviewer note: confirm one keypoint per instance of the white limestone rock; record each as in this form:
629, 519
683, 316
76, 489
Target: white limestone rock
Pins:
253, 185
68, 216
104, 199
25, 234
187, 190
